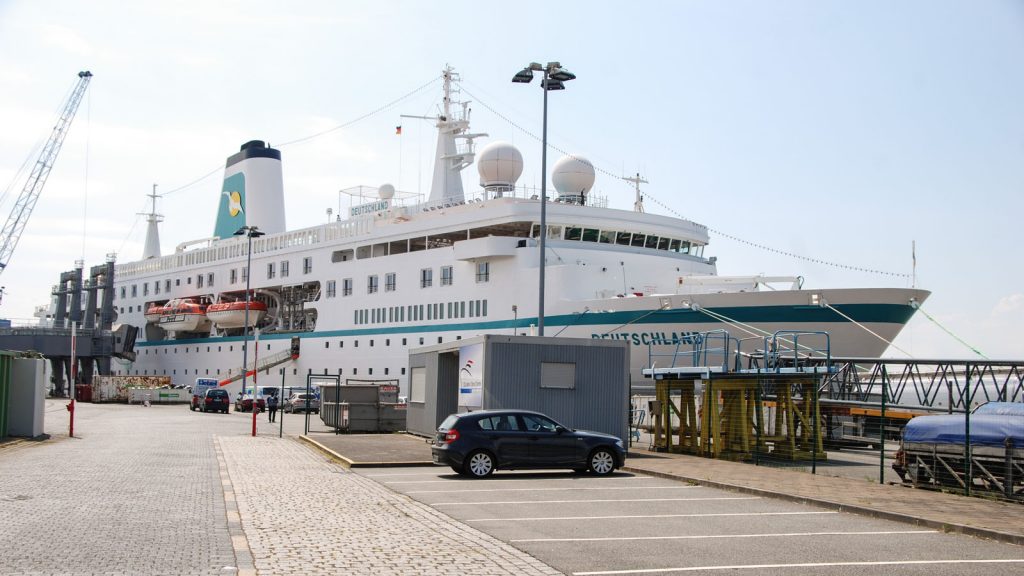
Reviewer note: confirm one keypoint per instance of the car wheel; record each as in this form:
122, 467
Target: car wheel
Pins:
601, 461
479, 464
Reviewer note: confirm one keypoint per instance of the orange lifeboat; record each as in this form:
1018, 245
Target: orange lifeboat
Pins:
232, 314
184, 315
154, 312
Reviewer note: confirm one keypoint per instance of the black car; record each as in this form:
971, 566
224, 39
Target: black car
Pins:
215, 400
478, 443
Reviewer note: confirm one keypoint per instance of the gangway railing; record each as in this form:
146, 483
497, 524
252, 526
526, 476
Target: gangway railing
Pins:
258, 365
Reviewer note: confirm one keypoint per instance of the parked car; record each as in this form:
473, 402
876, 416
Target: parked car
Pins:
478, 443
244, 403
215, 400
199, 391
301, 402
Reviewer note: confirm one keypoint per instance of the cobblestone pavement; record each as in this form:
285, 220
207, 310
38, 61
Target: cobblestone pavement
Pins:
304, 515
162, 490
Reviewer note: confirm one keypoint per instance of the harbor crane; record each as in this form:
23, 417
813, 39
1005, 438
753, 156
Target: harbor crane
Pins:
22, 210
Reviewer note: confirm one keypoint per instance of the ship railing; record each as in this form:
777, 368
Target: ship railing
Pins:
517, 192
715, 349
784, 352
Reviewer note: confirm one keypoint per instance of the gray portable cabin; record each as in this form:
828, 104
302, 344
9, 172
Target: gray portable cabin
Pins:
582, 383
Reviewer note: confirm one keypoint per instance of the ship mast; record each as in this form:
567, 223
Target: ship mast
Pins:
638, 204
451, 156
152, 248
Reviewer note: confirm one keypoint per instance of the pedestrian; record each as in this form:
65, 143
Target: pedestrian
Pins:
271, 408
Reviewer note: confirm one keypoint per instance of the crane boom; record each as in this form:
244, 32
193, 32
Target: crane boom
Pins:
19, 215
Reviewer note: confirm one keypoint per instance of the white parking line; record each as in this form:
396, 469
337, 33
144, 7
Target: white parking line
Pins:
807, 565
531, 479
592, 501
715, 536
653, 516
573, 488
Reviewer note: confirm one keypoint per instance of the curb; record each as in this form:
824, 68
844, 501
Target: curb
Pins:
861, 510
349, 463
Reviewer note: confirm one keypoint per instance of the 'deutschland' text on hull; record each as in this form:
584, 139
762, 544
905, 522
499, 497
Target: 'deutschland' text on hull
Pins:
401, 272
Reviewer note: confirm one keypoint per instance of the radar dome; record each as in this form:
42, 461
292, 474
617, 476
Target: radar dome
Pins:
386, 191
572, 177
500, 164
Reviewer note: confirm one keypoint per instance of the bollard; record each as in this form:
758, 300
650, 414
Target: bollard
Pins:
71, 418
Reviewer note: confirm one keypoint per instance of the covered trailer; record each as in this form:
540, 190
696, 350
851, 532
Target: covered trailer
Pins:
983, 450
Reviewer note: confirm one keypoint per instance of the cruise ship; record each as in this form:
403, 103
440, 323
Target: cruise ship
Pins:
352, 297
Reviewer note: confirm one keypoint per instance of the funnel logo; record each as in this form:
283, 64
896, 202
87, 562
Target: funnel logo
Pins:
234, 202
468, 368
231, 214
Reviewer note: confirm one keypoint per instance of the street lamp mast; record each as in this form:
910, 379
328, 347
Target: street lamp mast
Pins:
250, 232
554, 79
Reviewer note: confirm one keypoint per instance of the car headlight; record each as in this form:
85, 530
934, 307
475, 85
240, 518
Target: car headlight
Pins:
619, 443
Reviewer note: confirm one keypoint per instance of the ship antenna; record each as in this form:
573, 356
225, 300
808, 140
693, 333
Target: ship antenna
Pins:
638, 205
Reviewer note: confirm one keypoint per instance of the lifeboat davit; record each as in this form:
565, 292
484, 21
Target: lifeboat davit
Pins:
232, 314
184, 316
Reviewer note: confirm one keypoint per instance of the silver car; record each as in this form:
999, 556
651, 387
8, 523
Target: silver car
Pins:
301, 402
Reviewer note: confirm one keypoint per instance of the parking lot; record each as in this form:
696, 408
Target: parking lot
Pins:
636, 524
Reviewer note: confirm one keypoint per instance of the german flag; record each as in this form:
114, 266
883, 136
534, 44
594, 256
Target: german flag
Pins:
398, 130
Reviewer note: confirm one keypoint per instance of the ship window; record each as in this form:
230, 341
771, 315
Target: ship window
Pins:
270, 270
156, 287
188, 280
472, 308
417, 244
346, 287
131, 309
485, 309
685, 248
135, 291
401, 313
245, 273
421, 340
380, 250
341, 343
355, 317
371, 343
389, 282
622, 238
554, 232
363, 252
426, 278
145, 289
398, 247
387, 341
438, 339
371, 284
385, 371
430, 312
638, 240
446, 275
332, 289
357, 344
440, 310
573, 233
419, 313
342, 255
651, 242
355, 371
449, 309
123, 295
284, 268
391, 314
167, 286
403, 342
663, 244
307, 264
673, 245
199, 281
233, 276
590, 234
483, 271
462, 309
403, 371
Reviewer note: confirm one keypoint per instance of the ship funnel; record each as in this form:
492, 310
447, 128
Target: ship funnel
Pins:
253, 192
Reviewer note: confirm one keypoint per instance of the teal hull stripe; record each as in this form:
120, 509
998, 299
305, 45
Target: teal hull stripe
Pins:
795, 315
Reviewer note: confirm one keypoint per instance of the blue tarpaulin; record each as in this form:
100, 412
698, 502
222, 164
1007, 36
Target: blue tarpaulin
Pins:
989, 427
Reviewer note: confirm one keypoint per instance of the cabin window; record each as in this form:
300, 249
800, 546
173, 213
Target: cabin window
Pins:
156, 287
342, 255
371, 284
331, 289
446, 275
673, 245
363, 252
622, 238
233, 276
307, 265
124, 295
245, 273
484, 313
284, 268
135, 291
270, 270
483, 271
573, 233
651, 242
554, 232
145, 289
663, 243
199, 281
638, 240
209, 280
346, 287
389, 282
426, 278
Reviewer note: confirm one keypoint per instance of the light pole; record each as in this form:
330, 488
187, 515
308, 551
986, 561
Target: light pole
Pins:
251, 232
554, 79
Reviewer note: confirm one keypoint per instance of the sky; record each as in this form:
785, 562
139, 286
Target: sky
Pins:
838, 141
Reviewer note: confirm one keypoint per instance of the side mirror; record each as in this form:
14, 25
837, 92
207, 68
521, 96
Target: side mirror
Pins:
559, 429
